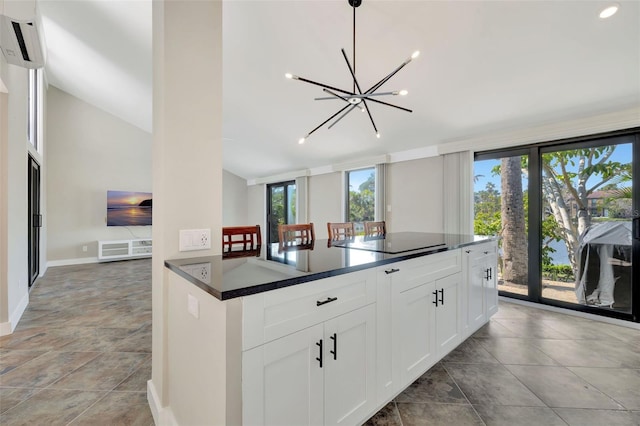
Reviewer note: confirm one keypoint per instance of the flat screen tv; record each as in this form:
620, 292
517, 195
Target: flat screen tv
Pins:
125, 208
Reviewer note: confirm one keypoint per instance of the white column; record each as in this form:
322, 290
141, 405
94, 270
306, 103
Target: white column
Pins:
187, 190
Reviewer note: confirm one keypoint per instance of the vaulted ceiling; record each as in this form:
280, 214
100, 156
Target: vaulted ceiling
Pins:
484, 66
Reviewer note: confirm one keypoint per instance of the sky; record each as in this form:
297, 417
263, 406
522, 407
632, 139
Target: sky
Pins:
622, 154
126, 198
356, 177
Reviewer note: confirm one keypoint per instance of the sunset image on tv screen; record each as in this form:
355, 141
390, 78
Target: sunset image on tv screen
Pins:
126, 208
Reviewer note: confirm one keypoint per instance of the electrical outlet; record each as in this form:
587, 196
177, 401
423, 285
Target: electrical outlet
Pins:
201, 271
193, 306
195, 239
84, 249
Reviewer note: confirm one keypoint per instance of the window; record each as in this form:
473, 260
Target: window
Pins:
567, 217
281, 210
501, 204
33, 113
360, 197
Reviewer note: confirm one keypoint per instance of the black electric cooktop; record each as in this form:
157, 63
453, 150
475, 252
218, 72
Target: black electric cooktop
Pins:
398, 242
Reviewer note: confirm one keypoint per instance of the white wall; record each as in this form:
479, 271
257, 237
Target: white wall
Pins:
14, 295
234, 200
187, 186
415, 194
414, 191
89, 152
325, 201
257, 203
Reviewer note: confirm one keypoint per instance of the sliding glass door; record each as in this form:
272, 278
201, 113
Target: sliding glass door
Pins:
501, 208
568, 216
281, 209
588, 212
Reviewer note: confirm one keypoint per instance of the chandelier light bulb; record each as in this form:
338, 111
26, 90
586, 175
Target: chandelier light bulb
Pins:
289, 76
378, 135
609, 11
415, 54
301, 140
403, 92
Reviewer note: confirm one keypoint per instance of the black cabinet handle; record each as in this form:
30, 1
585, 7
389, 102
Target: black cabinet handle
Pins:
319, 359
435, 302
335, 346
391, 271
467, 251
491, 273
442, 297
486, 252
323, 302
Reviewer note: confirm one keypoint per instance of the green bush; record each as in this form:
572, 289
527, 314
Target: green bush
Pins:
557, 272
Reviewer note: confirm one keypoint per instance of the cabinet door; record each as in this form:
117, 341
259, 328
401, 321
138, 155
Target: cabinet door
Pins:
476, 312
448, 314
349, 380
490, 283
415, 328
282, 382
387, 375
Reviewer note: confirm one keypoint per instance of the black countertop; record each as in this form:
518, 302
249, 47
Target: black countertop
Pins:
229, 276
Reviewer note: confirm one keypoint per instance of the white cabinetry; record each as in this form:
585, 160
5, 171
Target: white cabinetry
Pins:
281, 381
481, 296
321, 374
449, 315
124, 249
335, 350
419, 317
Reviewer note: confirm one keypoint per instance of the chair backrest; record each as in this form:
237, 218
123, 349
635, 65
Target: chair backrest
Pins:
340, 231
241, 237
301, 233
374, 228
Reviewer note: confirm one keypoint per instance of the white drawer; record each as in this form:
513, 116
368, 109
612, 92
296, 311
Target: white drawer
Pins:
477, 252
415, 272
273, 314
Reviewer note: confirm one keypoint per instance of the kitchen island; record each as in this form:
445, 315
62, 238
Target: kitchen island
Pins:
321, 334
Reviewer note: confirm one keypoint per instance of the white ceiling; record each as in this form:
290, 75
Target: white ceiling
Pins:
484, 66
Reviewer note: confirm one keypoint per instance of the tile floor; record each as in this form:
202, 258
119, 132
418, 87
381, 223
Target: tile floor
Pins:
529, 367
81, 355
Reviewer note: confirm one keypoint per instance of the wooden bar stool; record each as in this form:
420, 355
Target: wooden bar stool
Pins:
374, 229
241, 238
298, 234
340, 230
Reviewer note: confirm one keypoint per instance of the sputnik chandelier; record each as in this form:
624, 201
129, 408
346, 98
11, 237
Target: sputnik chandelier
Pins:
356, 97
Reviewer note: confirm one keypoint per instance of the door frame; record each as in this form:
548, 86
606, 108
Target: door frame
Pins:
535, 152
34, 217
285, 185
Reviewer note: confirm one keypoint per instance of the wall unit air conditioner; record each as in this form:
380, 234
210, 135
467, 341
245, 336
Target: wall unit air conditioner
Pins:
20, 43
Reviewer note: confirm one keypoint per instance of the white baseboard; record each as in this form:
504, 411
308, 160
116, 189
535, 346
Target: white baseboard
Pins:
161, 416
8, 327
5, 328
586, 315
77, 261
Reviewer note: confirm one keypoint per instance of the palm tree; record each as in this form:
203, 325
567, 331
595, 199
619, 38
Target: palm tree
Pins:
514, 236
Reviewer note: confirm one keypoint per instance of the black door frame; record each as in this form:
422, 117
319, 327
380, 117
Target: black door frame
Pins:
270, 230
34, 218
535, 152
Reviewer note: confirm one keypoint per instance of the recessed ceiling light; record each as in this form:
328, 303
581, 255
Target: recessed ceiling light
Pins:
609, 11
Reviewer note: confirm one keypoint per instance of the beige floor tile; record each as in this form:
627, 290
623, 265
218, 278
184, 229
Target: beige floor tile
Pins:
50, 407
